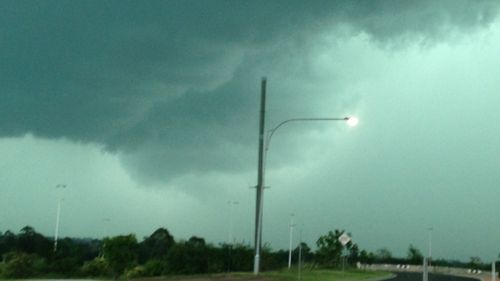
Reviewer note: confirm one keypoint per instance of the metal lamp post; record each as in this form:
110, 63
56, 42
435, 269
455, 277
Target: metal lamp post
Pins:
56, 235
290, 244
263, 147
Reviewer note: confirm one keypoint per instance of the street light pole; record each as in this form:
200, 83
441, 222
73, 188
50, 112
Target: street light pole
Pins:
56, 235
430, 245
290, 246
260, 180
264, 146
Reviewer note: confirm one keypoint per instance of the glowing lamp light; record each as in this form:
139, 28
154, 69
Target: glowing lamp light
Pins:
352, 121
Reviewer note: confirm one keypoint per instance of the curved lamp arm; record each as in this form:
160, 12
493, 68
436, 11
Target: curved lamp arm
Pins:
270, 132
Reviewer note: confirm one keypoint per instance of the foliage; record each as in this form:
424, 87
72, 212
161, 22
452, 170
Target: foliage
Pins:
383, 255
19, 265
30, 254
134, 272
97, 267
189, 257
156, 246
475, 263
366, 257
306, 253
154, 267
120, 252
414, 255
330, 249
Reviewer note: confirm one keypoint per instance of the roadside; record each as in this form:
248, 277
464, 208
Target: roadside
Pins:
283, 275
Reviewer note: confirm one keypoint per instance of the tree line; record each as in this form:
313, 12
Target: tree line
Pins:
30, 254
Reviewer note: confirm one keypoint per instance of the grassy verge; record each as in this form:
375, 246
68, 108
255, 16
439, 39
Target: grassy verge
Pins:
325, 275
282, 275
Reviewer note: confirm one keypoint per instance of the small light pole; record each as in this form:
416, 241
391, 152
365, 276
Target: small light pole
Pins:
56, 236
493, 271
264, 146
430, 245
299, 264
291, 238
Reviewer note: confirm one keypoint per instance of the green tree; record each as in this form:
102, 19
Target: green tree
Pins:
330, 249
307, 254
366, 257
19, 265
120, 253
31, 242
97, 267
414, 255
383, 255
189, 257
475, 262
156, 246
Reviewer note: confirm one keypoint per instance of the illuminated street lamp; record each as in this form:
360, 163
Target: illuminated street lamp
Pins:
263, 147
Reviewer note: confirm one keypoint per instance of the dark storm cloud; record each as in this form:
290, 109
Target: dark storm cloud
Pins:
174, 84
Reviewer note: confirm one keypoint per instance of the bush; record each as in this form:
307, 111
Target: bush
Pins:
135, 272
154, 268
19, 265
97, 267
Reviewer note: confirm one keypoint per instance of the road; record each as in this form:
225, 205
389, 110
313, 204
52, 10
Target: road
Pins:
415, 276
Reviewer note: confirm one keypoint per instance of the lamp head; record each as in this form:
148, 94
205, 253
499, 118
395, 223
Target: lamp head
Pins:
352, 121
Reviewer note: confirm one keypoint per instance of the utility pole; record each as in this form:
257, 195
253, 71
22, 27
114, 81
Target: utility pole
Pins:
260, 181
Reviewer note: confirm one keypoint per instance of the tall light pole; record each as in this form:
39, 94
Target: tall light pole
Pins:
264, 146
56, 235
430, 245
291, 238
260, 180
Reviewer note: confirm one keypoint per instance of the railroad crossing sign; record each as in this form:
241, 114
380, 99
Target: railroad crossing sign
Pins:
344, 239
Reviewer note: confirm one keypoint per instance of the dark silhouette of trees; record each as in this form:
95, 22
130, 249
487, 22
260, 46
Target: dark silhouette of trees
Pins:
414, 255
121, 253
156, 246
30, 254
329, 253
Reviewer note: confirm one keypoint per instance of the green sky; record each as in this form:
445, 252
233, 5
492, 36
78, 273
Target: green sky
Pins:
148, 112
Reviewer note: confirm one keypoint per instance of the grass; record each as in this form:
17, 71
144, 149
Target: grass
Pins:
285, 275
324, 275
282, 275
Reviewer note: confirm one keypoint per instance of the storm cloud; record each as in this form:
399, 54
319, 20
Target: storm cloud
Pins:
173, 85
148, 112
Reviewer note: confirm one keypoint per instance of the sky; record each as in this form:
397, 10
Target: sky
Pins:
148, 112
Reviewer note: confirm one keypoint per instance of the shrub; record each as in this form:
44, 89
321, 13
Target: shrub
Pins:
97, 267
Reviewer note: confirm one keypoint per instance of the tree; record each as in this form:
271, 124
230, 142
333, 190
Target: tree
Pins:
366, 257
383, 255
307, 254
156, 246
97, 267
120, 253
31, 242
475, 263
330, 249
414, 255
189, 257
19, 265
